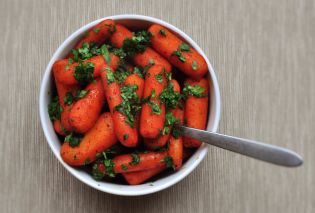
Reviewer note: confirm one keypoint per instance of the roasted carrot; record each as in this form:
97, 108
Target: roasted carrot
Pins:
135, 178
161, 140
59, 128
135, 79
175, 150
85, 111
153, 110
146, 58
118, 37
196, 110
175, 50
126, 133
65, 72
96, 140
99, 33
62, 91
138, 162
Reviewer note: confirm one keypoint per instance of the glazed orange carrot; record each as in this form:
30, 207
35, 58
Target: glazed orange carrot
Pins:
147, 58
118, 37
59, 128
196, 110
65, 72
161, 140
138, 162
84, 112
175, 150
96, 140
62, 91
135, 178
135, 79
181, 55
153, 110
126, 133
99, 33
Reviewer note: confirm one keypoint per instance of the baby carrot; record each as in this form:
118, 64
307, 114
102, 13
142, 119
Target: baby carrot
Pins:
135, 79
196, 108
135, 178
175, 150
180, 54
153, 110
66, 73
144, 59
85, 111
98, 34
138, 162
59, 128
96, 140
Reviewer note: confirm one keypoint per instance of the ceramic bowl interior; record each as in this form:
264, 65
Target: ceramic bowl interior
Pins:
133, 22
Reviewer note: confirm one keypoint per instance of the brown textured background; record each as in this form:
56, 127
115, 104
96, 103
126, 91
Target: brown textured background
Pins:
263, 53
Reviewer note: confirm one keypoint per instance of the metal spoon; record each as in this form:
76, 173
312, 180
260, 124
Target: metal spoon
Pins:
265, 152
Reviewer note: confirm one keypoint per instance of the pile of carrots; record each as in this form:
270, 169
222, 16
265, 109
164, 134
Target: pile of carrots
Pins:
120, 96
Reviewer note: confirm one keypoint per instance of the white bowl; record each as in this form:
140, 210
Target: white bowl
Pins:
132, 22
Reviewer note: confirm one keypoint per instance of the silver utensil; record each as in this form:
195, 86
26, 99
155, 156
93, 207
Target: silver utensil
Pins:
265, 152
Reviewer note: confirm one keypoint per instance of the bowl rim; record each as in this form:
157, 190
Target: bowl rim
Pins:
105, 186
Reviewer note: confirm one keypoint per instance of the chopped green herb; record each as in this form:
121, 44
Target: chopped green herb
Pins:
131, 103
126, 136
97, 174
67, 67
151, 62
138, 71
184, 47
194, 65
105, 53
170, 120
135, 159
153, 93
159, 77
170, 97
195, 90
124, 167
168, 160
87, 51
179, 55
68, 99
81, 93
121, 74
70, 61
96, 29
155, 107
136, 44
84, 73
167, 75
162, 32
109, 167
176, 133
54, 109
110, 75
73, 140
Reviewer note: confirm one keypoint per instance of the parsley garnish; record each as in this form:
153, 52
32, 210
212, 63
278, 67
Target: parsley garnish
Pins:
155, 107
73, 140
97, 174
85, 52
168, 160
194, 65
170, 120
87, 161
105, 53
151, 62
170, 97
135, 159
124, 167
176, 133
96, 29
126, 136
159, 77
138, 71
109, 165
69, 98
131, 103
196, 91
136, 44
162, 32
121, 74
184, 47
54, 109
110, 75
179, 55
84, 73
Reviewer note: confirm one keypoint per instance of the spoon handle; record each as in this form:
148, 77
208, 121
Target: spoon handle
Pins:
265, 152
